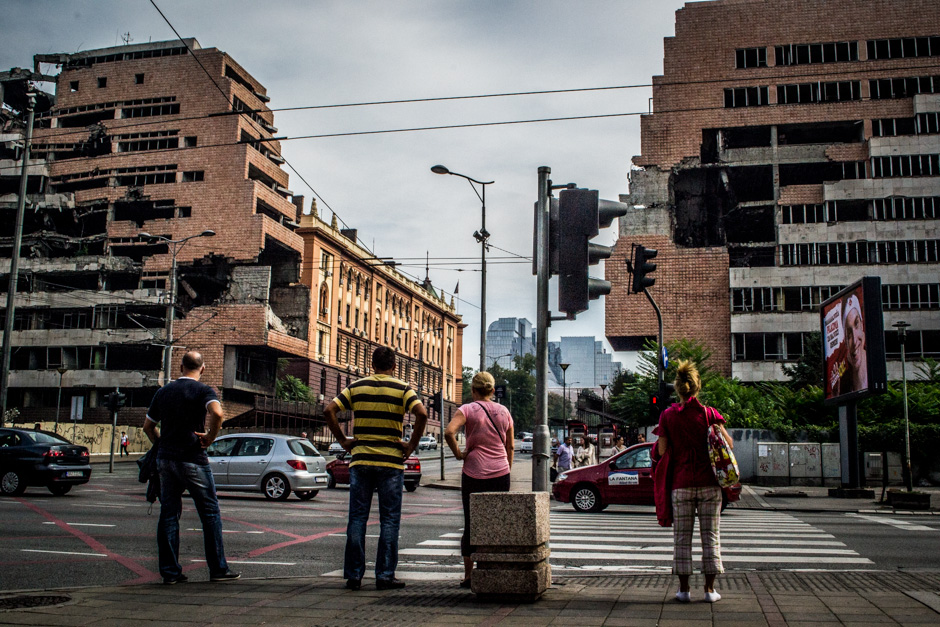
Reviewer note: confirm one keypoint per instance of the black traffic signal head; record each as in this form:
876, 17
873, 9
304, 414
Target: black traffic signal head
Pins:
580, 215
115, 400
642, 267
437, 403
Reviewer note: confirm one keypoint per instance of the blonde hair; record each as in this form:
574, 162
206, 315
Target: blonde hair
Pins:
687, 380
483, 383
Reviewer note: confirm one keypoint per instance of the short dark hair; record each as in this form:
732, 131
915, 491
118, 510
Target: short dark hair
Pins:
383, 359
192, 361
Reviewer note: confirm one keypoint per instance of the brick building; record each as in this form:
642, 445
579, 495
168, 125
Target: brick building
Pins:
166, 139
792, 148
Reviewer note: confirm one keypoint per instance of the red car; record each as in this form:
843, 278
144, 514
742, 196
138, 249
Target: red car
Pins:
623, 479
338, 469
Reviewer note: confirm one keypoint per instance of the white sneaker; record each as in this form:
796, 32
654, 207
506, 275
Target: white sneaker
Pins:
683, 597
712, 597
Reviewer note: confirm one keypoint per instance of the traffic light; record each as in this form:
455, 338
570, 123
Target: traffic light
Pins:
642, 267
115, 400
581, 215
437, 403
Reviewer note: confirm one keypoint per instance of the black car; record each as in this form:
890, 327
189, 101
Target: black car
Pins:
39, 458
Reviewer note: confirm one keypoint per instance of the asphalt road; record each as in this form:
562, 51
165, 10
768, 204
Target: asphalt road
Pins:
102, 533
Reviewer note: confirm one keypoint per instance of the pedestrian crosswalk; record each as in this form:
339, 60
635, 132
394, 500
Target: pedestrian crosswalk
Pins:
617, 541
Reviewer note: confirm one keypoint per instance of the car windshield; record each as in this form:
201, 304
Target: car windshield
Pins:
47, 438
303, 448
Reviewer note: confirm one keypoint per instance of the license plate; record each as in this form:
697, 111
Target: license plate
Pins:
75, 473
321, 479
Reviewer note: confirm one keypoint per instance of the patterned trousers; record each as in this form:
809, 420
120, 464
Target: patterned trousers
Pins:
685, 503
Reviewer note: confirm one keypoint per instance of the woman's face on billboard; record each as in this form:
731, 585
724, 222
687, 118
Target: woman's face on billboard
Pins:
855, 336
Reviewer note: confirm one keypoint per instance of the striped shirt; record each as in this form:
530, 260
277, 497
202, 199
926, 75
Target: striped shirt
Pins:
379, 404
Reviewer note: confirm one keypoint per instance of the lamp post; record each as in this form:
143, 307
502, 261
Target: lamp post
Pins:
564, 396
481, 236
175, 246
604, 397
58, 402
902, 326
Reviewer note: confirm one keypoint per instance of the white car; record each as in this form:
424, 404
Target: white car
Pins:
427, 442
336, 449
526, 445
270, 463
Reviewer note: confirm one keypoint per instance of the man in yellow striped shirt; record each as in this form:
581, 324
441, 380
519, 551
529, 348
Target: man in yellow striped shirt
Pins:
379, 404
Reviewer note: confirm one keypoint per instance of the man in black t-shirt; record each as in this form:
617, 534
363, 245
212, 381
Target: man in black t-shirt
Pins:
180, 407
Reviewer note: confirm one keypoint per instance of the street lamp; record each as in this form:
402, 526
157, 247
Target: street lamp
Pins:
902, 326
564, 396
604, 396
175, 246
481, 236
500, 357
58, 402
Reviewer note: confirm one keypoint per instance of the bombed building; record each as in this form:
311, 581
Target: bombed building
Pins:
792, 147
157, 208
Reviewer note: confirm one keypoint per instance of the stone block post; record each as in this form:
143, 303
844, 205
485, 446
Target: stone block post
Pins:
509, 532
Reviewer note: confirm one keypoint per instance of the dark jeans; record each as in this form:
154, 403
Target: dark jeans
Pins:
124, 450
468, 486
175, 477
363, 481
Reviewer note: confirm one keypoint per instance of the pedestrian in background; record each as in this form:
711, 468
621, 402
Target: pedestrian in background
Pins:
586, 455
124, 444
487, 456
564, 456
683, 432
379, 404
180, 409
619, 446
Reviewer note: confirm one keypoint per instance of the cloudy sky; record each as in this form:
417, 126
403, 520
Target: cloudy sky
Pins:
319, 52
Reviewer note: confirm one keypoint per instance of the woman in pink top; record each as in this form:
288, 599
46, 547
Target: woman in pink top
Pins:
487, 456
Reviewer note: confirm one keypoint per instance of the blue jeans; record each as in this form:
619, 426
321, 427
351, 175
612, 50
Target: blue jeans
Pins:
175, 477
363, 480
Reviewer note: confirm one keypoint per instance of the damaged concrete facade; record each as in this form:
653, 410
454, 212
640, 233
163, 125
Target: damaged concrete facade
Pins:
140, 139
359, 303
792, 148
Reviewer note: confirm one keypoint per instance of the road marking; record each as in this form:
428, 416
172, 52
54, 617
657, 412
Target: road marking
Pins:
250, 562
900, 524
64, 552
70, 524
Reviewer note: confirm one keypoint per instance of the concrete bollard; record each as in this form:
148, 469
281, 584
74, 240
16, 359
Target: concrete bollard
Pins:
509, 532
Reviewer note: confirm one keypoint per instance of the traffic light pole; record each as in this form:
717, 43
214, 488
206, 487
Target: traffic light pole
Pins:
660, 371
114, 413
540, 439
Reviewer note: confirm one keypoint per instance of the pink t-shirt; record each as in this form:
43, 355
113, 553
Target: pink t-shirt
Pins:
486, 450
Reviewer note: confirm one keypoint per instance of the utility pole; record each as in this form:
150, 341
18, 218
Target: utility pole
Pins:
15, 262
541, 445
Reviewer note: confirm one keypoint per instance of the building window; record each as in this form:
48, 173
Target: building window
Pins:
840, 253
73, 85
138, 79
190, 141
898, 208
885, 88
746, 97
156, 140
803, 214
804, 54
903, 48
804, 93
905, 165
194, 176
911, 296
768, 346
750, 57
102, 82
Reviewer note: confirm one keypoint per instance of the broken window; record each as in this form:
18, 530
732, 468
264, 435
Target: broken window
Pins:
903, 48
803, 93
892, 127
847, 132
911, 296
749, 224
802, 54
802, 214
147, 111
193, 176
847, 210
885, 88
254, 368
138, 79
73, 86
751, 256
840, 253
102, 82
768, 346
750, 57
817, 173
902, 208
189, 141
747, 299
746, 97
905, 165
156, 140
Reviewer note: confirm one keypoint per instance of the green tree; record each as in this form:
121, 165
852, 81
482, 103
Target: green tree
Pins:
929, 370
290, 388
520, 390
809, 369
465, 395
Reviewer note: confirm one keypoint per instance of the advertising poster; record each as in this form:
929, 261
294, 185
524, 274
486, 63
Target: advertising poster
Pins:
853, 342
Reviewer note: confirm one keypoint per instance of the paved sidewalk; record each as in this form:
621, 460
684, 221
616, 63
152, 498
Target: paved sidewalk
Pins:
751, 599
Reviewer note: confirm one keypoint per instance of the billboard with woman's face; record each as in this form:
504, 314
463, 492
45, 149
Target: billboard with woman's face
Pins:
853, 342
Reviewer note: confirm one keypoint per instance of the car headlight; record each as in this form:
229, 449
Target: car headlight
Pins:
562, 476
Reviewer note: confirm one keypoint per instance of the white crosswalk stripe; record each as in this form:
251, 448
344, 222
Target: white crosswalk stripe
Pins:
614, 542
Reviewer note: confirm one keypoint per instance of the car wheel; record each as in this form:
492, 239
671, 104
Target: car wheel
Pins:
275, 487
12, 483
60, 489
306, 495
411, 487
585, 498
331, 482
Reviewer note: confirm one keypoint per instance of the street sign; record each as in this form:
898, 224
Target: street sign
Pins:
500, 391
78, 408
665, 358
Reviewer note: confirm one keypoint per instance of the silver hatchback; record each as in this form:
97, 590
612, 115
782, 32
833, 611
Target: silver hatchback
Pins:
271, 463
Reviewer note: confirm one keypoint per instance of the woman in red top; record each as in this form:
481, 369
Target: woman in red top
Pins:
487, 455
683, 431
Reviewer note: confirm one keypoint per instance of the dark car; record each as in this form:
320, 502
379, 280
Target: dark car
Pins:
623, 479
39, 458
338, 469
